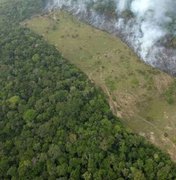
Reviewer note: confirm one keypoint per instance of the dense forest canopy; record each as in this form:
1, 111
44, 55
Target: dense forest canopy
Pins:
54, 123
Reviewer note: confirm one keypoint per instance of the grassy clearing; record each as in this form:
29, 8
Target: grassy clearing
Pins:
143, 96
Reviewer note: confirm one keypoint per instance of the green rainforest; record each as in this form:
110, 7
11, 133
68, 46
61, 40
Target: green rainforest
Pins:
54, 123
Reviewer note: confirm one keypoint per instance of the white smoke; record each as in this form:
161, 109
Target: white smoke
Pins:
149, 23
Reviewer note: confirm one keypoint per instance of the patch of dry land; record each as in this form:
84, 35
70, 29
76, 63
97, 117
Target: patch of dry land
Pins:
143, 97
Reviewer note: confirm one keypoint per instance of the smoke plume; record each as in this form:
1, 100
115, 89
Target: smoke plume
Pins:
148, 26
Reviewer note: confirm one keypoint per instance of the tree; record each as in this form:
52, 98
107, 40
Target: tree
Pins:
29, 115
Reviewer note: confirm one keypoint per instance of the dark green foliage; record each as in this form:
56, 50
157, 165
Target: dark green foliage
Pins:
17, 10
55, 124
107, 7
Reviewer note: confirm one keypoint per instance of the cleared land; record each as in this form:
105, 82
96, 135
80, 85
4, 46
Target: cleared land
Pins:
142, 96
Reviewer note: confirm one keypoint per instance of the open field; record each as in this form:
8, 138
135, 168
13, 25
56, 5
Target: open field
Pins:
142, 96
